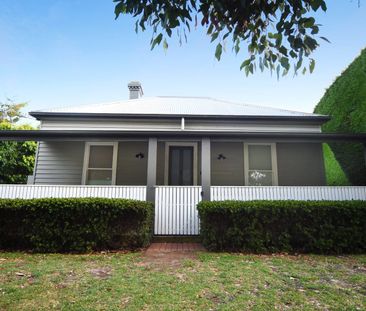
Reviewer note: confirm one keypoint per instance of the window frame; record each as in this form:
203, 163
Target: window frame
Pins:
86, 161
274, 170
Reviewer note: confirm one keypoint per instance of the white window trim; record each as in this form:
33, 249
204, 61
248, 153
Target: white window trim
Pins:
273, 158
86, 159
180, 144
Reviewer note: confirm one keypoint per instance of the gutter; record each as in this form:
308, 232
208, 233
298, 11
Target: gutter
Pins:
39, 115
83, 135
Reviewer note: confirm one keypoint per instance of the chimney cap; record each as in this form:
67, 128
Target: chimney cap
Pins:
135, 89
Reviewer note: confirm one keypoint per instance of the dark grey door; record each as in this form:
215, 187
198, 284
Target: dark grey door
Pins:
180, 166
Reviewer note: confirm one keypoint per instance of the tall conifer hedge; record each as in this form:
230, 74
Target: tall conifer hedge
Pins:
345, 102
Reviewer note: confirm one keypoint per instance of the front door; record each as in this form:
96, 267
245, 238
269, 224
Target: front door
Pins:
180, 166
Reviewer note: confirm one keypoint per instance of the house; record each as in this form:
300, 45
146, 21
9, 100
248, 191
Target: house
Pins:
176, 151
185, 134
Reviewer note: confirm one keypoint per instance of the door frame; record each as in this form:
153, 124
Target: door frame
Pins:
167, 153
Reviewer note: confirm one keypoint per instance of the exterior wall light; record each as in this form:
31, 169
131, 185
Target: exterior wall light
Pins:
221, 157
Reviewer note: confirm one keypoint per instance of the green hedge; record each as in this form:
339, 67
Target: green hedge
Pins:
284, 226
80, 224
345, 102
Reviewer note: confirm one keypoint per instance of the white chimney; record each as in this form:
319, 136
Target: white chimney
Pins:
135, 89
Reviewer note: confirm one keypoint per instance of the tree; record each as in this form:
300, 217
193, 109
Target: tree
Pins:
278, 34
16, 158
345, 102
10, 111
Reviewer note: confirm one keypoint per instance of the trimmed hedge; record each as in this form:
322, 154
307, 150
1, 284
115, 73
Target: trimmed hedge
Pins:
74, 225
284, 226
345, 102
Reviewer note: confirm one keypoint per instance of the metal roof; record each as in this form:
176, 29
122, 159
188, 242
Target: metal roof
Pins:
165, 106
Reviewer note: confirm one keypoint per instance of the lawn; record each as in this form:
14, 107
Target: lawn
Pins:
210, 281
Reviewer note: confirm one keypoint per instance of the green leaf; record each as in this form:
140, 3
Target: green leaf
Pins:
278, 71
325, 39
285, 63
312, 65
247, 70
218, 51
157, 40
245, 64
283, 50
214, 36
225, 35
315, 30
237, 47
293, 54
165, 45
309, 22
310, 43
298, 65
261, 66
251, 68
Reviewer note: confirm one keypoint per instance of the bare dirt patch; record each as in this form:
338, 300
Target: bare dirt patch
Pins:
101, 273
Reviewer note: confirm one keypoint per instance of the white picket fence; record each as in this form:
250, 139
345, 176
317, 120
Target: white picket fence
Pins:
308, 193
175, 210
175, 206
71, 191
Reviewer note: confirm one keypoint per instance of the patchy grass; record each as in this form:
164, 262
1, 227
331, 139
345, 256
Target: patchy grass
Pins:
210, 281
333, 171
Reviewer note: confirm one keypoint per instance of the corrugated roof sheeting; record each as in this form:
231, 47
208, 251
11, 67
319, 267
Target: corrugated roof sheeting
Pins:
164, 105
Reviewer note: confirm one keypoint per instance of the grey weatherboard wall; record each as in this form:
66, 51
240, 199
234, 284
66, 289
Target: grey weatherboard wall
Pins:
228, 171
130, 169
300, 164
59, 163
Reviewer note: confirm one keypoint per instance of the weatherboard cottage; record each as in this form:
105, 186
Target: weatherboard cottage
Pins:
176, 151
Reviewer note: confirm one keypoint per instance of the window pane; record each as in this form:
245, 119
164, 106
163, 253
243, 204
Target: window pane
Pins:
101, 157
174, 166
99, 177
187, 169
259, 157
181, 166
260, 178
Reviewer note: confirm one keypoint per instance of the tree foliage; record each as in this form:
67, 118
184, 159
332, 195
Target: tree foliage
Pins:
10, 111
345, 102
16, 158
277, 34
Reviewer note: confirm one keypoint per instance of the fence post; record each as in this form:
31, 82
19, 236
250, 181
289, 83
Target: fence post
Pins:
206, 169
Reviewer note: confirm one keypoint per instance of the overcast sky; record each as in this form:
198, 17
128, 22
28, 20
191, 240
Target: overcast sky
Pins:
60, 53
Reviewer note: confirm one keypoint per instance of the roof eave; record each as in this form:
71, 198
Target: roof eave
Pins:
83, 135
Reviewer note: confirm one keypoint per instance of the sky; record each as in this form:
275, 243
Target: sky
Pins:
56, 53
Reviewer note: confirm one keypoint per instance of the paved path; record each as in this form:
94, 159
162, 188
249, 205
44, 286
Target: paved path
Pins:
167, 255
175, 247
